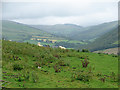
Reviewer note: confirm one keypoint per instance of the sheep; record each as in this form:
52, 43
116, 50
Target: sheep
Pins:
39, 67
39, 44
62, 47
10, 40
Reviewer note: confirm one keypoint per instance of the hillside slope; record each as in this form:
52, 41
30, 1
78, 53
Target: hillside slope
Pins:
64, 30
20, 32
27, 65
76, 32
24, 33
108, 40
95, 31
105, 34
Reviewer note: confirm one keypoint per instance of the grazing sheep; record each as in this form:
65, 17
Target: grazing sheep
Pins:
62, 47
39, 44
10, 40
39, 67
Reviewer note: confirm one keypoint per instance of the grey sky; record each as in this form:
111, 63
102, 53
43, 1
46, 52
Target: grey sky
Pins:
75, 12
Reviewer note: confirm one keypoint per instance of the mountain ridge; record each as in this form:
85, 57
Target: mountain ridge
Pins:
77, 32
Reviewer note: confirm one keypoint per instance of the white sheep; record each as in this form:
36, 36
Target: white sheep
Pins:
62, 47
39, 44
39, 67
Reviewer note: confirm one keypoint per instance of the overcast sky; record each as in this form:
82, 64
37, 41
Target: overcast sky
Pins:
52, 12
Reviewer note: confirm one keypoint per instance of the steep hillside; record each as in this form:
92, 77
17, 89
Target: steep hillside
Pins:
27, 65
106, 41
20, 32
94, 31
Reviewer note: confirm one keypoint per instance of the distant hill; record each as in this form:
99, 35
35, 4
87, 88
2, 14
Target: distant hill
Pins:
64, 30
24, 33
96, 31
108, 40
105, 35
76, 32
20, 32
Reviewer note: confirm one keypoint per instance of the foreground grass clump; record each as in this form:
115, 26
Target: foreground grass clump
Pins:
30, 66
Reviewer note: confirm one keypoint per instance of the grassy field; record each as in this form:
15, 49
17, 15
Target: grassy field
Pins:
58, 68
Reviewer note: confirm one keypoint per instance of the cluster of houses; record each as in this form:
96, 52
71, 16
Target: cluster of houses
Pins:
44, 40
52, 46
